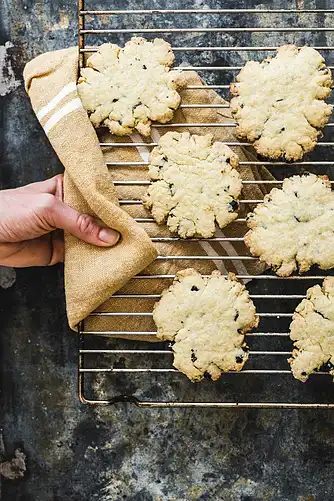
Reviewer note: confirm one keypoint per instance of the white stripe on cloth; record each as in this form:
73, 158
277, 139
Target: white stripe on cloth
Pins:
229, 249
207, 247
155, 134
71, 87
73, 105
144, 152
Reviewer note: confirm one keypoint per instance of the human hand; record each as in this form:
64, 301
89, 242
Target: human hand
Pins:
30, 220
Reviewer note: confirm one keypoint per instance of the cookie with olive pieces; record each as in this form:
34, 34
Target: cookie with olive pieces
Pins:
125, 89
312, 330
206, 319
195, 183
279, 103
294, 227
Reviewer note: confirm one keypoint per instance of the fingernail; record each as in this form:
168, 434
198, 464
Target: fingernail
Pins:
109, 236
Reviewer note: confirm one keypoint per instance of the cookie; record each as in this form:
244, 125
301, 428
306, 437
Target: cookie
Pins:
195, 183
279, 104
312, 330
206, 319
294, 227
125, 89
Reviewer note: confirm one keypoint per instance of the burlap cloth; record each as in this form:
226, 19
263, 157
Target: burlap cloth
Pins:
93, 274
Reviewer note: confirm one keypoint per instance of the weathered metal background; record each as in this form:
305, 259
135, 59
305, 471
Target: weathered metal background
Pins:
77, 453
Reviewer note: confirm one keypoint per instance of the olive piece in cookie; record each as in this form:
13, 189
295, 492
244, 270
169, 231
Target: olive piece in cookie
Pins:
233, 205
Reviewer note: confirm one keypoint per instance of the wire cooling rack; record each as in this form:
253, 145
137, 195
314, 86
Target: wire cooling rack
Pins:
215, 42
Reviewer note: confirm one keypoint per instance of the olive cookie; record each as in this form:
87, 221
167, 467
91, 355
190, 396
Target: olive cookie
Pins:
279, 103
312, 330
294, 227
206, 319
125, 89
194, 183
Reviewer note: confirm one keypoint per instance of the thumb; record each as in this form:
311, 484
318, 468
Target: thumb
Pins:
82, 226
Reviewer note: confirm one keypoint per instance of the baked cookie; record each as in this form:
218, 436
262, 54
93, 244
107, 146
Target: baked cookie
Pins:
125, 89
312, 330
279, 103
206, 319
194, 183
294, 226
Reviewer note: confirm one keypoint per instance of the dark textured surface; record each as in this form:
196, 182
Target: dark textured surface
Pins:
76, 453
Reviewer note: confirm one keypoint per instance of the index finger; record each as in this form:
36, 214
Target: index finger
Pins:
53, 186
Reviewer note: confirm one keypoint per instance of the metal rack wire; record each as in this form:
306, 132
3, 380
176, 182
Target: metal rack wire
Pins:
108, 358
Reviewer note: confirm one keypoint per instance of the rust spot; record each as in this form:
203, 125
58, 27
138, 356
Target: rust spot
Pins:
15, 468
